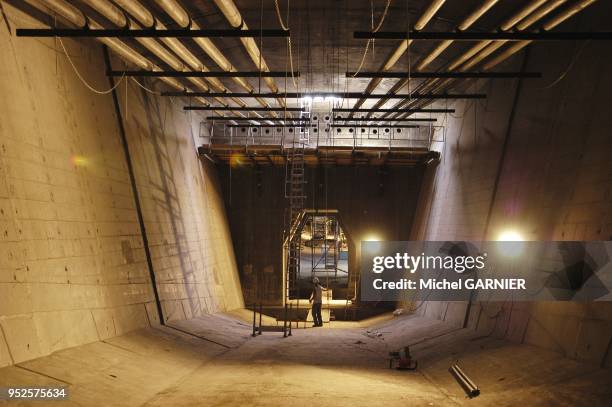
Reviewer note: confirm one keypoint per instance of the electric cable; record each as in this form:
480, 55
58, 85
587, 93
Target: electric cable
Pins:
76, 71
367, 47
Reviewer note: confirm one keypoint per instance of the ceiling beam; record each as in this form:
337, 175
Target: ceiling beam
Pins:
485, 36
146, 33
490, 75
246, 109
390, 126
267, 125
272, 119
419, 110
347, 95
384, 119
203, 74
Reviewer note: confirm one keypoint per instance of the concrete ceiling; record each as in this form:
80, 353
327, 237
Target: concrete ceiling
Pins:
322, 43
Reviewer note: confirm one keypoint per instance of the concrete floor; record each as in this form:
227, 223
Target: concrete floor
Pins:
343, 365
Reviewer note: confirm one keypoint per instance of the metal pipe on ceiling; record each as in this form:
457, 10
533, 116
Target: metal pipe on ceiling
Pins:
74, 16
548, 26
521, 14
425, 62
147, 19
117, 17
232, 14
485, 48
180, 16
481, 46
464, 25
427, 15
539, 13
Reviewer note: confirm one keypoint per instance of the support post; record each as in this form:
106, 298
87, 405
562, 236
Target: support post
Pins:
130, 168
285, 321
260, 313
254, 319
291, 320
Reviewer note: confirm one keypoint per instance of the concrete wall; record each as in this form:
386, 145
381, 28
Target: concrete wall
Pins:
555, 183
371, 201
72, 263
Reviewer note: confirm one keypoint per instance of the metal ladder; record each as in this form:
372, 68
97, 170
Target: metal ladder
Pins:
295, 180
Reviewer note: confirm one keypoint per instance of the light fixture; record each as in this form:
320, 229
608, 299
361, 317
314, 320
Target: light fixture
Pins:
511, 243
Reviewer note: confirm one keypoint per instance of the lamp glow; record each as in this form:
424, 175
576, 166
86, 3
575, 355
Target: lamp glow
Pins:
511, 243
510, 236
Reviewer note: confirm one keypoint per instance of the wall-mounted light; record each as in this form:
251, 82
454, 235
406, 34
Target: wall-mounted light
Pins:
371, 237
511, 243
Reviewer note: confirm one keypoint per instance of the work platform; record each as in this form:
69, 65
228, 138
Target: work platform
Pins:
323, 144
276, 155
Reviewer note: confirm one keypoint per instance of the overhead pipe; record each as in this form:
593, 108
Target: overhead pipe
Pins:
427, 15
231, 13
180, 16
74, 16
523, 24
541, 12
465, 24
145, 18
117, 17
548, 26
516, 47
114, 15
522, 19
425, 62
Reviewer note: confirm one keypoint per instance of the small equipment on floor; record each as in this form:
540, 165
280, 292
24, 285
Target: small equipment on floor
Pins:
464, 381
403, 358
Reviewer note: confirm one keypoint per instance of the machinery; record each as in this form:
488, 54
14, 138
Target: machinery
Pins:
403, 358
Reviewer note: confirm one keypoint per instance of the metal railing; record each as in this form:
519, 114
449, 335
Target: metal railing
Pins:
322, 134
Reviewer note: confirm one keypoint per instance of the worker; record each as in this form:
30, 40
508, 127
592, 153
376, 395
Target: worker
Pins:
316, 298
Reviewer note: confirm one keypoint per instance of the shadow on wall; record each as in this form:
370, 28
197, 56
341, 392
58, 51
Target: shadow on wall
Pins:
172, 211
554, 185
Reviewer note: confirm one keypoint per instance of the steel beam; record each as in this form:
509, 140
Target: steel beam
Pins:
426, 110
349, 95
246, 109
273, 119
485, 36
458, 75
383, 119
202, 74
146, 33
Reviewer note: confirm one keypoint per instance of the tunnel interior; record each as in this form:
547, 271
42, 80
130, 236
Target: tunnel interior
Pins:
171, 185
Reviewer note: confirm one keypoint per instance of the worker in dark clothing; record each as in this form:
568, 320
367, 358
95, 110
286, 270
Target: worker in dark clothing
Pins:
316, 298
